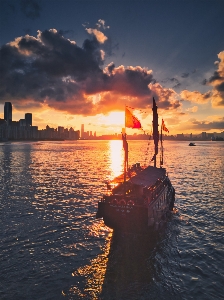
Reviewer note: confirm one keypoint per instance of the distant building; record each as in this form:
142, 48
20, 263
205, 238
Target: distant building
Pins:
61, 131
74, 134
28, 118
22, 122
180, 136
8, 112
210, 136
203, 135
82, 131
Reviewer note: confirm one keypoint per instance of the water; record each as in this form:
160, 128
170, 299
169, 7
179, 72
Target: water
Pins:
52, 247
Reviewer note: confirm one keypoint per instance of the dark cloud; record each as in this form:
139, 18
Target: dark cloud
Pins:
214, 77
220, 87
217, 82
185, 75
204, 82
110, 47
30, 8
65, 32
175, 82
203, 125
53, 70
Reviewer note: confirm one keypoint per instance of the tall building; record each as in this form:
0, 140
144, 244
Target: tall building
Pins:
28, 118
8, 112
82, 131
204, 135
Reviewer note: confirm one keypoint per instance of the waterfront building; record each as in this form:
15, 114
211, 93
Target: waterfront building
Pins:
22, 122
204, 135
82, 131
28, 118
8, 112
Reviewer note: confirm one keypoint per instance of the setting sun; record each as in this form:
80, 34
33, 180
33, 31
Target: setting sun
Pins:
114, 118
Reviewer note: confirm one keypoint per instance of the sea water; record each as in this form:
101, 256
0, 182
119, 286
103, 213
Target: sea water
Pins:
53, 247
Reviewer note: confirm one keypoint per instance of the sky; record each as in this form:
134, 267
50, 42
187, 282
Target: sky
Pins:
73, 62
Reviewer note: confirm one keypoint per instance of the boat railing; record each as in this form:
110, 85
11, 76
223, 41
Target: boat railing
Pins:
121, 200
156, 193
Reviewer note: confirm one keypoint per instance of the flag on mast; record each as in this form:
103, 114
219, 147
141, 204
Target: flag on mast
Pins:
130, 120
164, 128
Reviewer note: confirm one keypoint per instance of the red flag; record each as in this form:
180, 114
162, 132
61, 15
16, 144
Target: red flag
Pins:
130, 120
164, 128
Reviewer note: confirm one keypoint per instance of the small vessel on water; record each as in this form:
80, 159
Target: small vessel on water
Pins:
141, 199
192, 144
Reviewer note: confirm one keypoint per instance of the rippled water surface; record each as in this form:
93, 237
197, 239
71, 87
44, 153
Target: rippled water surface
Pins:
52, 247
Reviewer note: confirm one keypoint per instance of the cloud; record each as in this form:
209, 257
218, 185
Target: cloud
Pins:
48, 68
30, 8
217, 82
51, 70
167, 98
206, 125
185, 75
195, 96
100, 36
192, 109
101, 23
174, 81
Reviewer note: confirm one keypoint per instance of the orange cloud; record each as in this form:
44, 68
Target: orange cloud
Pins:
192, 109
100, 36
195, 96
216, 95
217, 82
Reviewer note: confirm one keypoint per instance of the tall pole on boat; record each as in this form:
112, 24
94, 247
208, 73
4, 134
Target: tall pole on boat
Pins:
155, 130
161, 140
125, 147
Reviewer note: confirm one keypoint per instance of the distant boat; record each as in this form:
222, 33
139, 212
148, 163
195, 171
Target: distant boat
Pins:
192, 144
141, 199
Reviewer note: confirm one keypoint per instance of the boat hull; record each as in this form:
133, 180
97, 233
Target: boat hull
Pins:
136, 218
123, 218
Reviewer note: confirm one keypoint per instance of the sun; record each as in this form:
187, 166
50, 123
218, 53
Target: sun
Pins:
115, 118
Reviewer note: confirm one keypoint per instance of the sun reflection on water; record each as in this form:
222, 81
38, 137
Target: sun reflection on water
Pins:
92, 275
116, 158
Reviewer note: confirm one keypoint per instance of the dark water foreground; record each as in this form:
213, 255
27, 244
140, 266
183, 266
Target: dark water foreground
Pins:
52, 247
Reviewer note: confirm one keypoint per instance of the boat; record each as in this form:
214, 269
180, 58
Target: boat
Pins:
192, 144
141, 199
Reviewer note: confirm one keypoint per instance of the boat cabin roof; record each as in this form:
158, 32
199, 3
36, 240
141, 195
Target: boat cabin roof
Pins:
148, 176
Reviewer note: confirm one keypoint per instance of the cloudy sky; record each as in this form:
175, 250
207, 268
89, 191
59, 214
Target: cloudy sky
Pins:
71, 62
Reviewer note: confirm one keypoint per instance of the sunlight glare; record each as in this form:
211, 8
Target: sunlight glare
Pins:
116, 158
115, 118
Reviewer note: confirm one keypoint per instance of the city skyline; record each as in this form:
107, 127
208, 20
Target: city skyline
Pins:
78, 62
28, 131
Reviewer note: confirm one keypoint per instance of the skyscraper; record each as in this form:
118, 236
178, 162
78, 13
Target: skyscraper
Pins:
82, 131
8, 112
28, 118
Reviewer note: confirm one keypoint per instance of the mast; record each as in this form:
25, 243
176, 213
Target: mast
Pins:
125, 147
161, 140
155, 130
